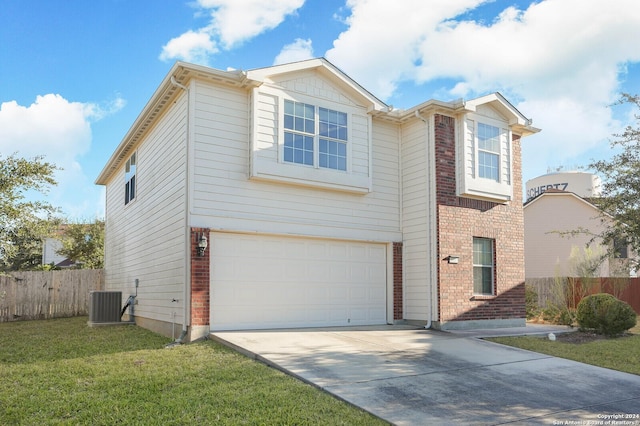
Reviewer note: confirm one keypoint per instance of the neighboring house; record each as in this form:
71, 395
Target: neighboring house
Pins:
50, 256
550, 248
315, 204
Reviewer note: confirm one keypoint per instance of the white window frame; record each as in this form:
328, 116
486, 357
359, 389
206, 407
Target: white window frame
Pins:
491, 152
317, 137
130, 179
484, 265
267, 144
469, 182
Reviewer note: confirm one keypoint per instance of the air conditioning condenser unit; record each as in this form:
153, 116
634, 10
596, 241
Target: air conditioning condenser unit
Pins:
104, 307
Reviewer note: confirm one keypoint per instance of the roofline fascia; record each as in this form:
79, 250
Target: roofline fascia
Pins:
182, 73
573, 194
259, 75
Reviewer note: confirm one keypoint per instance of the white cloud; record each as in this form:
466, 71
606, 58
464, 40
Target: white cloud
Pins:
560, 62
232, 23
51, 125
190, 46
59, 130
299, 50
381, 46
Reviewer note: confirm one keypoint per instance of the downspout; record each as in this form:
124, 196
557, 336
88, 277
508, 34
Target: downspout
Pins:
187, 255
430, 213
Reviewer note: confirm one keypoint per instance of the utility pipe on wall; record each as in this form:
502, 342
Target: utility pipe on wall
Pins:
187, 255
433, 276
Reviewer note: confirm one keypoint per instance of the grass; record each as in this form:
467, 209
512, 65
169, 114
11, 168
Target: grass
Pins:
62, 372
620, 353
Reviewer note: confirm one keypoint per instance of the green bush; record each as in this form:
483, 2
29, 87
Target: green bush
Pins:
559, 316
605, 314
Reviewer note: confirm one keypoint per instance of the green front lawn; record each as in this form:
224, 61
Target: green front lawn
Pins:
619, 353
64, 372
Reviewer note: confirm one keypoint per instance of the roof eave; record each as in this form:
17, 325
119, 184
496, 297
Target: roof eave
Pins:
180, 73
324, 66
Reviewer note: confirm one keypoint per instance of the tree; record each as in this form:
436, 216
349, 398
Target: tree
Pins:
22, 222
83, 243
621, 185
26, 244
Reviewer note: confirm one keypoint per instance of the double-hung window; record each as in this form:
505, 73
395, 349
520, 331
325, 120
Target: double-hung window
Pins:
488, 152
315, 136
130, 179
483, 266
485, 150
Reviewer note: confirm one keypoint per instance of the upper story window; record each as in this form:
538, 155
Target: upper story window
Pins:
315, 136
488, 152
130, 179
484, 152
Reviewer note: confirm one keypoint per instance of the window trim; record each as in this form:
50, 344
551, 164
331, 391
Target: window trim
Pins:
469, 183
130, 178
266, 144
620, 248
317, 104
482, 265
480, 150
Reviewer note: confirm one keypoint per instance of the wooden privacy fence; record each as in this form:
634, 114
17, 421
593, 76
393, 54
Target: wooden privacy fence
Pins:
569, 291
47, 294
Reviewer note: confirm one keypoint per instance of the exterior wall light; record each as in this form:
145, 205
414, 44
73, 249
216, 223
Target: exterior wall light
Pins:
202, 245
454, 260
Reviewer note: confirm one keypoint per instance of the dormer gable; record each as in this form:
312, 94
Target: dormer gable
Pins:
293, 76
484, 153
311, 125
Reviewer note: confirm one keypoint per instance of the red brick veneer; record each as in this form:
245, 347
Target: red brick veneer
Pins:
397, 281
200, 279
461, 219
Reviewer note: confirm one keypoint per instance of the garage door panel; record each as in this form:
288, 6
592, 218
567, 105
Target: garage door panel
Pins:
270, 282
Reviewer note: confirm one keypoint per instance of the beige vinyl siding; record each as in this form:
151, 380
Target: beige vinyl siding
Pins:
505, 157
469, 159
311, 83
145, 240
267, 101
267, 124
225, 198
468, 181
359, 144
415, 221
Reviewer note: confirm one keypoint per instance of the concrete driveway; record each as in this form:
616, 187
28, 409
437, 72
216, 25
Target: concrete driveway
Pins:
411, 376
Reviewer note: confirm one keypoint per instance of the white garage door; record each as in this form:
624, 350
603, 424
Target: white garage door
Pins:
262, 282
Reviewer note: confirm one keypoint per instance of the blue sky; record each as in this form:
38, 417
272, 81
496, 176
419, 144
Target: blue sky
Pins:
74, 74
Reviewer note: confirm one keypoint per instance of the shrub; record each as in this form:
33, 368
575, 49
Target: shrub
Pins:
560, 316
605, 314
531, 302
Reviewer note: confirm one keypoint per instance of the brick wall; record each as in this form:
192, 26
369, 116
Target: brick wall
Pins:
461, 219
200, 280
397, 281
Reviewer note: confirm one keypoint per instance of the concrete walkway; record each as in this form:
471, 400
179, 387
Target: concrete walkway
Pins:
412, 376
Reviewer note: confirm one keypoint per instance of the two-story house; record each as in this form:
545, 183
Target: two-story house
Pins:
290, 196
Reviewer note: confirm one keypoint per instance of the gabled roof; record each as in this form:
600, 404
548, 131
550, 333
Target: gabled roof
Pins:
181, 73
176, 79
518, 122
516, 119
325, 68
551, 192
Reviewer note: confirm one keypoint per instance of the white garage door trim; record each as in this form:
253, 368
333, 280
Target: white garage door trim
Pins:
264, 281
